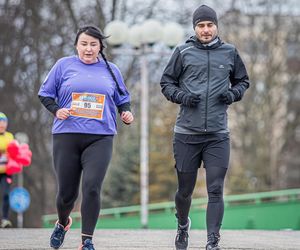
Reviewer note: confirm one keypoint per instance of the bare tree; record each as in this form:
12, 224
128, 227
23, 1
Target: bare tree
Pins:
259, 124
265, 126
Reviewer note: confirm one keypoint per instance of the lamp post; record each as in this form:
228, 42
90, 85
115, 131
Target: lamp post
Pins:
21, 137
142, 37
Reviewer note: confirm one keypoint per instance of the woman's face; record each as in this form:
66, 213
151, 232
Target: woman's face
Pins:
88, 48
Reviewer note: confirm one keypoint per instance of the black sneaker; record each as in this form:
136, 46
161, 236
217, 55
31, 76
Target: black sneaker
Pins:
212, 242
58, 235
182, 237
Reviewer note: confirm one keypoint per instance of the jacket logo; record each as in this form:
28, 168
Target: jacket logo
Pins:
221, 66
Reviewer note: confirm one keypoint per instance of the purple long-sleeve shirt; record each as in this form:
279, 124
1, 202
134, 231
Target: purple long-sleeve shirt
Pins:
89, 91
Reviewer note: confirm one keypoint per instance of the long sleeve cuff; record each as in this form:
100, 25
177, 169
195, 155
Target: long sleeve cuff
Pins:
50, 104
124, 107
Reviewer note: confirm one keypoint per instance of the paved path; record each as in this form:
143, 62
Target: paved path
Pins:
28, 239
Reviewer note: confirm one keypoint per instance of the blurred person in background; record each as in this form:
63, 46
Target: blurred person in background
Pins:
5, 179
83, 92
205, 75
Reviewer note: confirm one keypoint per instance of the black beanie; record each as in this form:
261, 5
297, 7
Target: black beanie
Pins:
204, 13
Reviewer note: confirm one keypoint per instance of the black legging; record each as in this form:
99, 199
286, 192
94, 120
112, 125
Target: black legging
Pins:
75, 154
5, 187
215, 207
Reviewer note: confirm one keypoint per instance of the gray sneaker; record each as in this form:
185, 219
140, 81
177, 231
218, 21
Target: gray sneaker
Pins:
5, 223
213, 241
182, 236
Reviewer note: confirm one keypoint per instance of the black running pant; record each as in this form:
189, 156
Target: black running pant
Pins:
5, 187
77, 155
215, 206
189, 152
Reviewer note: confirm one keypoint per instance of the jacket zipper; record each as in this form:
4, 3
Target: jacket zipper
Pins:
207, 89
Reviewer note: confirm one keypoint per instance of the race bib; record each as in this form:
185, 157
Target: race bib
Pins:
87, 105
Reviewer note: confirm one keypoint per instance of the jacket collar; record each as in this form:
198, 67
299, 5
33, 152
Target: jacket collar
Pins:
212, 45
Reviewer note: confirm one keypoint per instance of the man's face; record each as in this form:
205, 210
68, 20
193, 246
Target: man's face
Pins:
3, 126
206, 31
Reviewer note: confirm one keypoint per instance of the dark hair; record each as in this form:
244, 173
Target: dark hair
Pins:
95, 32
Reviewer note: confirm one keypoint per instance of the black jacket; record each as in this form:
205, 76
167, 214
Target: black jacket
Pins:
207, 71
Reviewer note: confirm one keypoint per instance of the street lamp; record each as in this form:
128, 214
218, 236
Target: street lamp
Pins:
21, 137
141, 38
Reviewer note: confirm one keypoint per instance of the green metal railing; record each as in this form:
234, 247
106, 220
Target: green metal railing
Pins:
266, 210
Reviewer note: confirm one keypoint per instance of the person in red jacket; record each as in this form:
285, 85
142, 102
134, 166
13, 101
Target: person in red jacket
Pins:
5, 179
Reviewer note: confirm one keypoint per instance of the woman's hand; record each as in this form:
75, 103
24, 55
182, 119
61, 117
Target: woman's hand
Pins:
127, 117
62, 114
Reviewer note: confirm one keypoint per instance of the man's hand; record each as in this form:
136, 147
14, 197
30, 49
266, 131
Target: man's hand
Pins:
228, 97
190, 100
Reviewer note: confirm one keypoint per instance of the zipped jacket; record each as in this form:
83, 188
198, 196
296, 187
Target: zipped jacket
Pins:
207, 71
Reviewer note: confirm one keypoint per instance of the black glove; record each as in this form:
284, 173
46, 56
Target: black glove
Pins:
229, 97
190, 99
